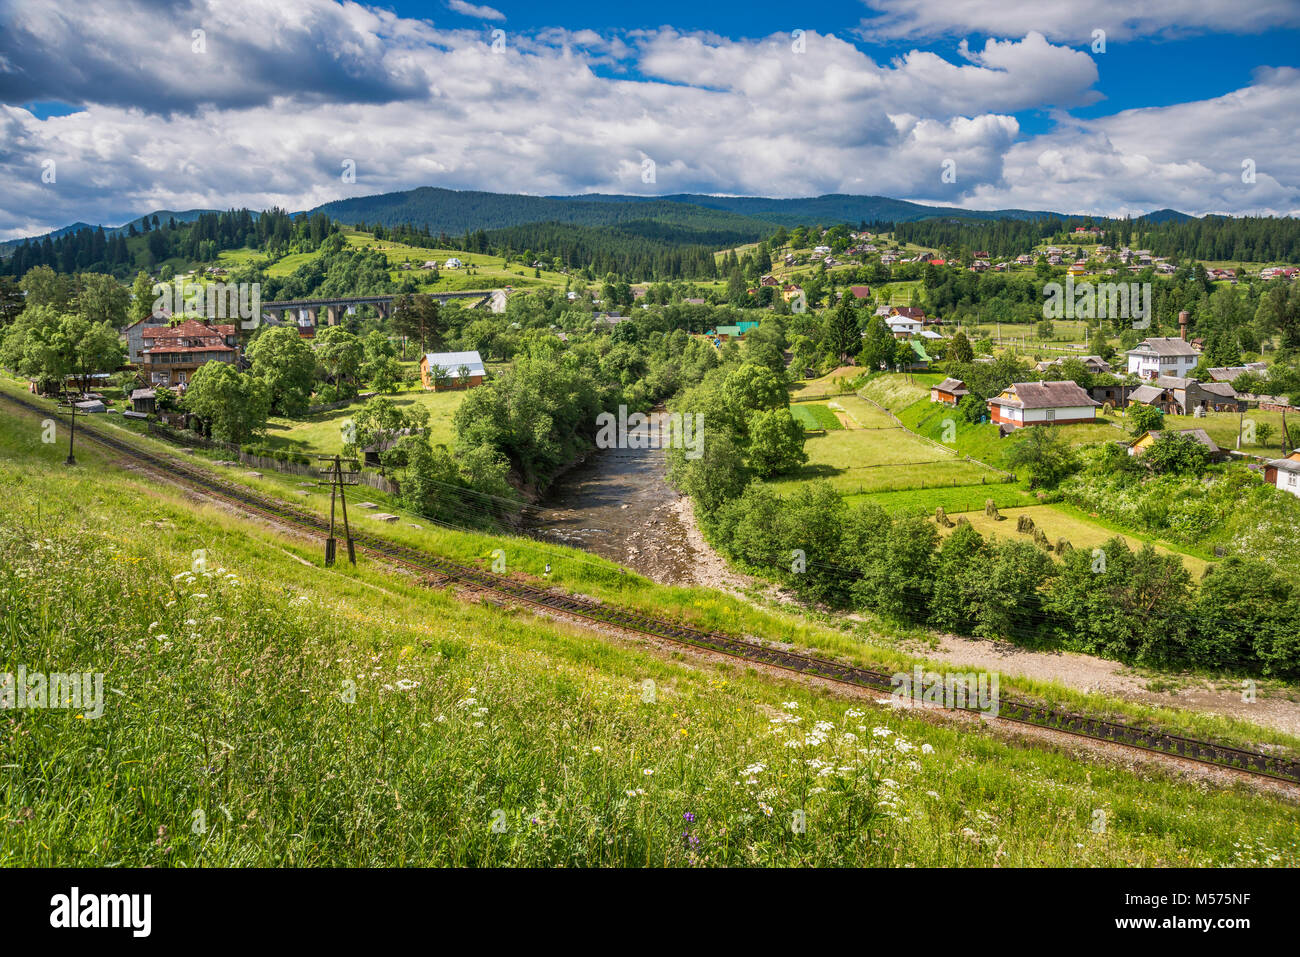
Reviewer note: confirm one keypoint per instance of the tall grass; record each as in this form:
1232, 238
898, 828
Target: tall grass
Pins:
260, 712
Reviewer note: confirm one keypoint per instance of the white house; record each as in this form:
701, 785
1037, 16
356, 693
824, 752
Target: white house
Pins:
1042, 403
1285, 473
453, 263
902, 327
1153, 358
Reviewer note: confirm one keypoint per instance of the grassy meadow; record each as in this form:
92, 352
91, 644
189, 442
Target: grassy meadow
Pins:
323, 432
261, 710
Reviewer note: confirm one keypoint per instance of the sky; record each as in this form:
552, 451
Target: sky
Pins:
121, 107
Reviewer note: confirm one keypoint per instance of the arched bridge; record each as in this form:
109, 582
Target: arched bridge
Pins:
334, 306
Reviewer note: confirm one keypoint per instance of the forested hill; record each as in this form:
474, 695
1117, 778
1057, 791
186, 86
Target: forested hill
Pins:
455, 211
1165, 233
826, 210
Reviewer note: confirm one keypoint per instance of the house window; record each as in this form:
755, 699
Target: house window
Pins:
1051, 415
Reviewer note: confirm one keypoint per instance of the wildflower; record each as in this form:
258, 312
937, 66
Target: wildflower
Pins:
596, 748
647, 771
688, 817
881, 732
790, 705
927, 749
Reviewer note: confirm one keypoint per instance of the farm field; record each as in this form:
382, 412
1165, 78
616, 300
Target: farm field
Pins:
856, 461
897, 391
815, 415
863, 414
458, 713
490, 272
1057, 522
834, 382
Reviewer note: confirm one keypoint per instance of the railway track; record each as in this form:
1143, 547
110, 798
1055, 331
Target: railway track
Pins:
441, 569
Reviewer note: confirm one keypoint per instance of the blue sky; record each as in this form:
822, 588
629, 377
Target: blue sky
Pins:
122, 107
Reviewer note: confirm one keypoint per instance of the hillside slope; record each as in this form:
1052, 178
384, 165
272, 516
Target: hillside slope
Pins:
262, 710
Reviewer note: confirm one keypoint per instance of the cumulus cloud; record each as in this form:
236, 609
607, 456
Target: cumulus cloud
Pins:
471, 10
564, 112
1189, 156
1074, 22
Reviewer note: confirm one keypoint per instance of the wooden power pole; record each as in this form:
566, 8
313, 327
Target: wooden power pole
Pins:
338, 480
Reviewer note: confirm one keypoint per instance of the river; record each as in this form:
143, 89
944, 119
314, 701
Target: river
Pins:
618, 504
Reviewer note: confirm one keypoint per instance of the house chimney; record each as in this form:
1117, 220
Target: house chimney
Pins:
1182, 325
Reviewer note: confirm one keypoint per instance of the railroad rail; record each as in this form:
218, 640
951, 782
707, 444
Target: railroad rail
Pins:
1035, 715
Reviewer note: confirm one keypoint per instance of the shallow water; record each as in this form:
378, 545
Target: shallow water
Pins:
618, 505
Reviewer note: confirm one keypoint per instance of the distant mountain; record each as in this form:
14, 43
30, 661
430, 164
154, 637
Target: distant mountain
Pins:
1165, 216
825, 210
9, 245
186, 216
456, 211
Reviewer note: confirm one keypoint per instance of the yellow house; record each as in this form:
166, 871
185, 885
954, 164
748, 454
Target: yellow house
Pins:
1148, 438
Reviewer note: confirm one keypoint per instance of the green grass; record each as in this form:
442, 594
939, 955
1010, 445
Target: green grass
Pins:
231, 735
323, 432
855, 461
962, 498
1079, 529
813, 415
895, 392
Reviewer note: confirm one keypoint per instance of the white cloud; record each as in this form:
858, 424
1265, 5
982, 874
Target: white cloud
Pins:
1071, 22
560, 112
1188, 156
472, 10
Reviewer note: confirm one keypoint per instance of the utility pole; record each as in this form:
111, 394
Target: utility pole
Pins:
338, 479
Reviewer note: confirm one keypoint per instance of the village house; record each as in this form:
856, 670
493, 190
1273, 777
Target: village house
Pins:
144, 401
1230, 373
1279, 272
903, 328
950, 391
1180, 396
1284, 473
1094, 364
134, 334
1152, 358
860, 292
1024, 404
1148, 439
914, 313
172, 354
451, 370
1116, 394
